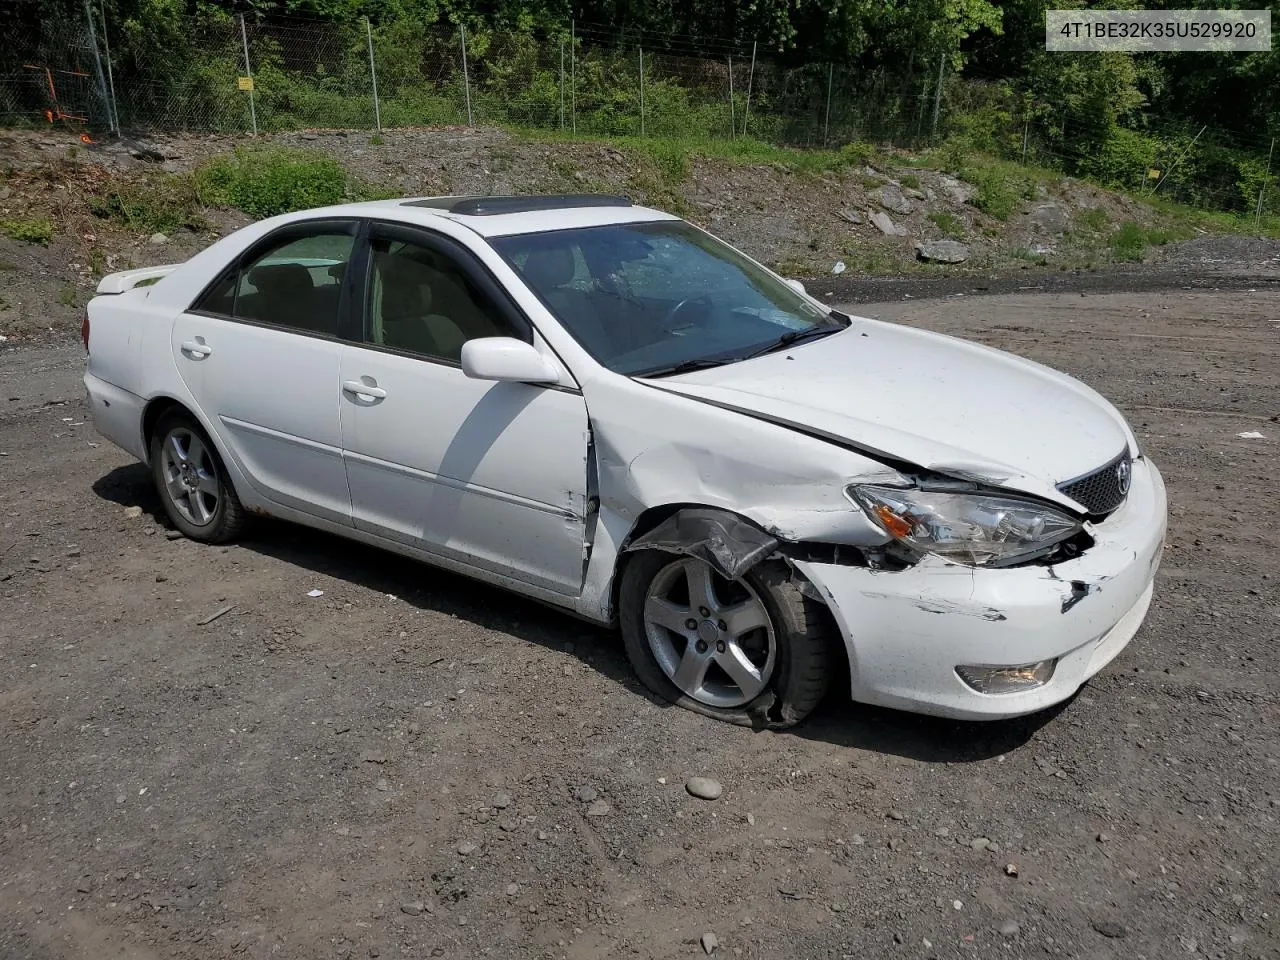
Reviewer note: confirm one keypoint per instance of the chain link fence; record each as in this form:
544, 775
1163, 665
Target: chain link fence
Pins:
217, 73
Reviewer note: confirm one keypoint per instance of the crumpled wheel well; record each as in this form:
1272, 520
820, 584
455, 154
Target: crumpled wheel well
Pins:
730, 543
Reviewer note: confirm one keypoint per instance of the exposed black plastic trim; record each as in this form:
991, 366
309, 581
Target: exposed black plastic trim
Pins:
495, 206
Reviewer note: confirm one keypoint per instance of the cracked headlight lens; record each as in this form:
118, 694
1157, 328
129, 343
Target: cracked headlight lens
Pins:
973, 528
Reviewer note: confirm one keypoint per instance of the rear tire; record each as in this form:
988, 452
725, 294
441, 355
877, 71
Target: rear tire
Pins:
758, 652
192, 482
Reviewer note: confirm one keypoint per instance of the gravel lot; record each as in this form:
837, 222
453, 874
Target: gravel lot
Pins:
412, 765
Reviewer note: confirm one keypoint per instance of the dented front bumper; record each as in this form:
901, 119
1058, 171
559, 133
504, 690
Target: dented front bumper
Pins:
906, 631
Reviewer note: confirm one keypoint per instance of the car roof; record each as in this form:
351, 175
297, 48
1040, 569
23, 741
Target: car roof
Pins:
504, 216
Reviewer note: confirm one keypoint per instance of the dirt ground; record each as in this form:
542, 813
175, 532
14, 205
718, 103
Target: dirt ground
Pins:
403, 767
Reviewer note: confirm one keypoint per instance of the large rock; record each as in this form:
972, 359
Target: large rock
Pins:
956, 190
1049, 218
890, 197
942, 251
886, 226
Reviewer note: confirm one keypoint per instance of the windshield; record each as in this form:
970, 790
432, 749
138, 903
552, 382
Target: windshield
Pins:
654, 298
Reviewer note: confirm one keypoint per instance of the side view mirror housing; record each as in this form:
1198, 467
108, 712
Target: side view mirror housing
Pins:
796, 285
506, 359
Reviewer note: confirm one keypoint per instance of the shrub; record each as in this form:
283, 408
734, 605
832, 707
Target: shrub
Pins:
1129, 242
159, 204
271, 181
28, 231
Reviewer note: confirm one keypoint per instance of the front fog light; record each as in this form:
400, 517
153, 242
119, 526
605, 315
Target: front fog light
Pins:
998, 680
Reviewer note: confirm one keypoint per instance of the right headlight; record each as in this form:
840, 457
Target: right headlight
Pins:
978, 529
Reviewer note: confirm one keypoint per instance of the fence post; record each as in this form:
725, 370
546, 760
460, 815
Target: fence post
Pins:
248, 72
1257, 218
97, 63
641, 49
826, 120
466, 78
573, 76
733, 120
373, 75
751, 77
937, 97
1178, 160
111, 81
562, 83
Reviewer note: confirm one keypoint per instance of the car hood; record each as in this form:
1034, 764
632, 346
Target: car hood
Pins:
933, 401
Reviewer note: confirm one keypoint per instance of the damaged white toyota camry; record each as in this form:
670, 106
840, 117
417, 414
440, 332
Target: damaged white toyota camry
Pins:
601, 406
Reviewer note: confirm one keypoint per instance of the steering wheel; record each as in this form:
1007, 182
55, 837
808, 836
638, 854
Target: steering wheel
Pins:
667, 321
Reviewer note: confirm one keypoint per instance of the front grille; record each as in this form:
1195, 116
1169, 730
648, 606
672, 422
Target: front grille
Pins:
1101, 491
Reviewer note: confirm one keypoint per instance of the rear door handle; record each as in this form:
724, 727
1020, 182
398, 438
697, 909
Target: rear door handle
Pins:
197, 349
361, 389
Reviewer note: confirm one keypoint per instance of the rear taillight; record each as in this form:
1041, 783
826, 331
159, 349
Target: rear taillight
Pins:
84, 330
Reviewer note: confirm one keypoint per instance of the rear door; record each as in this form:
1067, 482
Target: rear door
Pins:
260, 351
493, 475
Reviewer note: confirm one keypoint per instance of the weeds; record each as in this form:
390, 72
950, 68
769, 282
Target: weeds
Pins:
159, 204
950, 225
1129, 242
67, 296
270, 181
28, 231
1095, 220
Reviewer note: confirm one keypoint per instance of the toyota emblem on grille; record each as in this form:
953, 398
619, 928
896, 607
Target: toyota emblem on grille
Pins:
1124, 473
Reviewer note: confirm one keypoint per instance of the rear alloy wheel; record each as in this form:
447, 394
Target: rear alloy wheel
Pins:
191, 481
751, 651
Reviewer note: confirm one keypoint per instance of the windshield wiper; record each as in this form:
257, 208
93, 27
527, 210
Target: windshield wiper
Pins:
792, 337
687, 366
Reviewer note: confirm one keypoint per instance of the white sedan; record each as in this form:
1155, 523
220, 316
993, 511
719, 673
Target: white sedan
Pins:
603, 407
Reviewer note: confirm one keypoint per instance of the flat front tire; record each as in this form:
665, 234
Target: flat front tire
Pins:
192, 482
753, 651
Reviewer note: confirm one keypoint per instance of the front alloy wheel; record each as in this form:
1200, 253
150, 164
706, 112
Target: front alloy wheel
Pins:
752, 651
711, 637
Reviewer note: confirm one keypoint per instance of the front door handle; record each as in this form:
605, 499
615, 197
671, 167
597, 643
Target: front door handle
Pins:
363, 390
196, 349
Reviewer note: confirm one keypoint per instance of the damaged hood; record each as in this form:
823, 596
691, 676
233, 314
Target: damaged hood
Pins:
931, 400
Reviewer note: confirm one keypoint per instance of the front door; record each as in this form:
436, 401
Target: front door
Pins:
260, 353
489, 474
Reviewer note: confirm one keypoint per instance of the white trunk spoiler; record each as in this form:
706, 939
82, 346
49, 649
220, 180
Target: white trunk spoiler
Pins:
128, 279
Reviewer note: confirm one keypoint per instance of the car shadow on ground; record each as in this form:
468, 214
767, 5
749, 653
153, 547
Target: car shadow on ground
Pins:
838, 721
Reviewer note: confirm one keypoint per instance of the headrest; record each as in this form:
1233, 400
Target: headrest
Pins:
550, 267
281, 279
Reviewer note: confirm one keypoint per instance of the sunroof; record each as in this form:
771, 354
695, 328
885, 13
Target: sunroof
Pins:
493, 206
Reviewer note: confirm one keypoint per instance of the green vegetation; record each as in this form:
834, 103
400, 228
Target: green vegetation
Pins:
950, 225
28, 231
1192, 128
67, 296
161, 203
267, 182
1094, 220
1129, 242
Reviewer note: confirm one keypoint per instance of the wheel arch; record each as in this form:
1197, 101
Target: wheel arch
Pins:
653, 518
156, 408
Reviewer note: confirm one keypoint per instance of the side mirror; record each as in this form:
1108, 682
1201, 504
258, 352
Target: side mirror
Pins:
796, 285
507, 359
